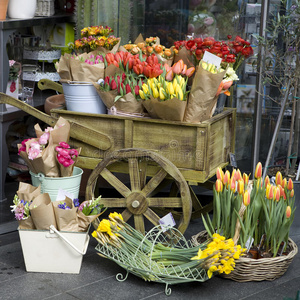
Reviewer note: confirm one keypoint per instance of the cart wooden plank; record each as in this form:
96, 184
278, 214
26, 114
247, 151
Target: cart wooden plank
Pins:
196, 149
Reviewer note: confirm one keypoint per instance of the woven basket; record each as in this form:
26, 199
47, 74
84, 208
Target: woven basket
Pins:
249, 269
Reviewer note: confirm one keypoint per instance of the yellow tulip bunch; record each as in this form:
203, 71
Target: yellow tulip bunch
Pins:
163, 89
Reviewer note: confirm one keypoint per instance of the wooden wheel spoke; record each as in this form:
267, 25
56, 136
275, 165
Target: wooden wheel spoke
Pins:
139, 223
152, 216
113, 202
116, 183
126, 214
165, 202
134, 174
154, 182
143, 172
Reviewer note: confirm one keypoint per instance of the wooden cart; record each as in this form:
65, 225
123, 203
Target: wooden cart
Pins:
154, 153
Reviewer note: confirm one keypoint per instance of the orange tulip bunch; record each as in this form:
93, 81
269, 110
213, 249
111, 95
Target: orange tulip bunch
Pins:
268, 209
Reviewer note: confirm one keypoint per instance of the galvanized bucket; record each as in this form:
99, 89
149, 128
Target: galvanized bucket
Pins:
51, 185
82, 96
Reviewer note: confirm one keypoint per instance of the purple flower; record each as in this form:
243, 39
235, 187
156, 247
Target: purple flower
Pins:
76, 202
63, 205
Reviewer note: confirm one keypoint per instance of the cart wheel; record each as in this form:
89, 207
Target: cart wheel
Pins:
137, 199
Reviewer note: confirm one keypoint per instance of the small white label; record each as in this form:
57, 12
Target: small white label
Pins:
167, 221
62, 194
249, 243
212, 59
283, 246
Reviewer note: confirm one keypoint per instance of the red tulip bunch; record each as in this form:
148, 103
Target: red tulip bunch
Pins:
139, 64
123, 84
231, 52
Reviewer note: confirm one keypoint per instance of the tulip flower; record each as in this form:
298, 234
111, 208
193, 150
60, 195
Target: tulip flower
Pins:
219, 186
284, 182
240, 186
292, 193
258, 171
169, 75
267, 180
269, 192
246, 198
288, 212
290, 185
277, 193
162, 94
278, 178
282, 192
233, 184
246, 178
220, 174
226, 178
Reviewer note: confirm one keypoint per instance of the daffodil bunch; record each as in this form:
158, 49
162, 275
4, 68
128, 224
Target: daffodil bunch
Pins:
154, 259
262, 212
220, 255
163, 89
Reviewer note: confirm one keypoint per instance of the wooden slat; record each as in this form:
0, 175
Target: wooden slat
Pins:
139, 223
152, 216
128, 140
154, 182
165, 202
134, 174
113, 202
116, 183
126, 214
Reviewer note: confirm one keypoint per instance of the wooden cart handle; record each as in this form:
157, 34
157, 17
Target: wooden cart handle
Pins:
47, 84
77, 131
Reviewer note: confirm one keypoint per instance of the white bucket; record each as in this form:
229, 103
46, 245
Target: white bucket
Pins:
53, 251
51, 185
83, 97
21, 9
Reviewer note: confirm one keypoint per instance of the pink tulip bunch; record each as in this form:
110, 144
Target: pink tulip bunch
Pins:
94, 60
65, 155
179, 68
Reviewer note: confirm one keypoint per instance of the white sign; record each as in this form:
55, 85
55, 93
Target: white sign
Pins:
167, 221
61, 195
212, 59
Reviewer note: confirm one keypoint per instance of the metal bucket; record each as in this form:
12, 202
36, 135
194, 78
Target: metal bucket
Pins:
83, 97
51, 185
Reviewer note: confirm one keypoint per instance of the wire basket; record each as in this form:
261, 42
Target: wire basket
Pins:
45, 8
249, 269
143, 266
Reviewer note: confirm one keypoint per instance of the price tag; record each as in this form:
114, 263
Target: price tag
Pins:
233, 162
167, 221
62, 194
212, 59
249, 243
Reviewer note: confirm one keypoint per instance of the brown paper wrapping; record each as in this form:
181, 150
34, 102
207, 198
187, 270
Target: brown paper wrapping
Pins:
26, 224
126, 104
84, 221
28, 192
172, 109
66, 219
42, 213
63, 67
186, 56
202, 96
45, 162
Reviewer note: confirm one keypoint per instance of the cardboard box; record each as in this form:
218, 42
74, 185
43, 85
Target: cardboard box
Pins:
53, 251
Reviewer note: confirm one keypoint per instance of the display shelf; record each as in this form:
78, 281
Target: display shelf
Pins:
8, 26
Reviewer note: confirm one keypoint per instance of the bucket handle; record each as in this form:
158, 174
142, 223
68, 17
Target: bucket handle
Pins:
41, 177
69, 243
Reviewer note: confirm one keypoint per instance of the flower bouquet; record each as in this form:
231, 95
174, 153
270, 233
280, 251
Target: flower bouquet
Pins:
35, 210
42, 154
13, 79
166, 258
258, 215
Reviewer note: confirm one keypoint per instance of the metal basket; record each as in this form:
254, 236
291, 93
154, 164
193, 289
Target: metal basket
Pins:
45, 8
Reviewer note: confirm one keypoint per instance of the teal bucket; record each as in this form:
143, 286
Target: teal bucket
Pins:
52, 185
